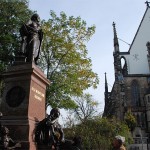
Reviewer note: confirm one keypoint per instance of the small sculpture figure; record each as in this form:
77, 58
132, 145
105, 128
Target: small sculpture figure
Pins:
32, 36
49, 131
5, 141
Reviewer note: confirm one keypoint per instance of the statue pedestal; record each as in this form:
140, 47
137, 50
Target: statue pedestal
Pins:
23, 102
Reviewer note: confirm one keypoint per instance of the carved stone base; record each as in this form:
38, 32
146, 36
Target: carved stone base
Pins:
23, 102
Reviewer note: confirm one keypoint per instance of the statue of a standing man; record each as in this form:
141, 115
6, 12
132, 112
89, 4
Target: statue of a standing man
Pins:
32, 36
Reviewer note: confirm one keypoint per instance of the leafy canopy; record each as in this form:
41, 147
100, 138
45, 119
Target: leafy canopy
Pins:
98, 133
12, 15
64, 59
63, 56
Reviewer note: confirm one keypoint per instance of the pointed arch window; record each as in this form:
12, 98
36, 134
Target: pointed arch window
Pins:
135, 93
124, 65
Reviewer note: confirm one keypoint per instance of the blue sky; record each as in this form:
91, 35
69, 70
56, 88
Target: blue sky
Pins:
127, 15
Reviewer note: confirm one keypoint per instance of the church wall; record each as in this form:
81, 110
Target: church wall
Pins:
116, 94
137, 59
142, 81
147, 99
132, 81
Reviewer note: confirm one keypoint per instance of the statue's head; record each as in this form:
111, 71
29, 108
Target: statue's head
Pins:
55, 113
35, 17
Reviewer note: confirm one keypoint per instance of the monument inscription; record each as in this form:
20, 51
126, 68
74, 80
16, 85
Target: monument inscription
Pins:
37, 94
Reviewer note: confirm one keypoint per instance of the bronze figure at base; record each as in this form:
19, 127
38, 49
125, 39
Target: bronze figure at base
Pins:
6, 142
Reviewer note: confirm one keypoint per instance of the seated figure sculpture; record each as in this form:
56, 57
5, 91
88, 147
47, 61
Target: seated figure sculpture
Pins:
5, 141
49, 131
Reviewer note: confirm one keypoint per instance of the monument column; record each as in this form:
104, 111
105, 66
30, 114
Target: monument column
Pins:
23, 103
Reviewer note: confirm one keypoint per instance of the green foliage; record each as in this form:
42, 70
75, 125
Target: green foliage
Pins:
64, 58
130, 120
99, 133
12, 15
64, 55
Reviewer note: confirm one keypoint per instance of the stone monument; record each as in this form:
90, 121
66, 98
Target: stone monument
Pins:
23, 102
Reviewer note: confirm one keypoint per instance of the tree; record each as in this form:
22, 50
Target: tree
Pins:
86, 107
64, 59
98, 133
12, 15
130, 120
64, 55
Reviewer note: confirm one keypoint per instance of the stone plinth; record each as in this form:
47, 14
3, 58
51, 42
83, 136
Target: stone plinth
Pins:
23, 102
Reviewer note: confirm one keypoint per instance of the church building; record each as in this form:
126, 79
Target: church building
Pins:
131, 88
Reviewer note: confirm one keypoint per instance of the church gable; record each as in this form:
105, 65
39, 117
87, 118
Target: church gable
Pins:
137, 61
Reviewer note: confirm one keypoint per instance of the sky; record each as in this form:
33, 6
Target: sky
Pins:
127, 14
